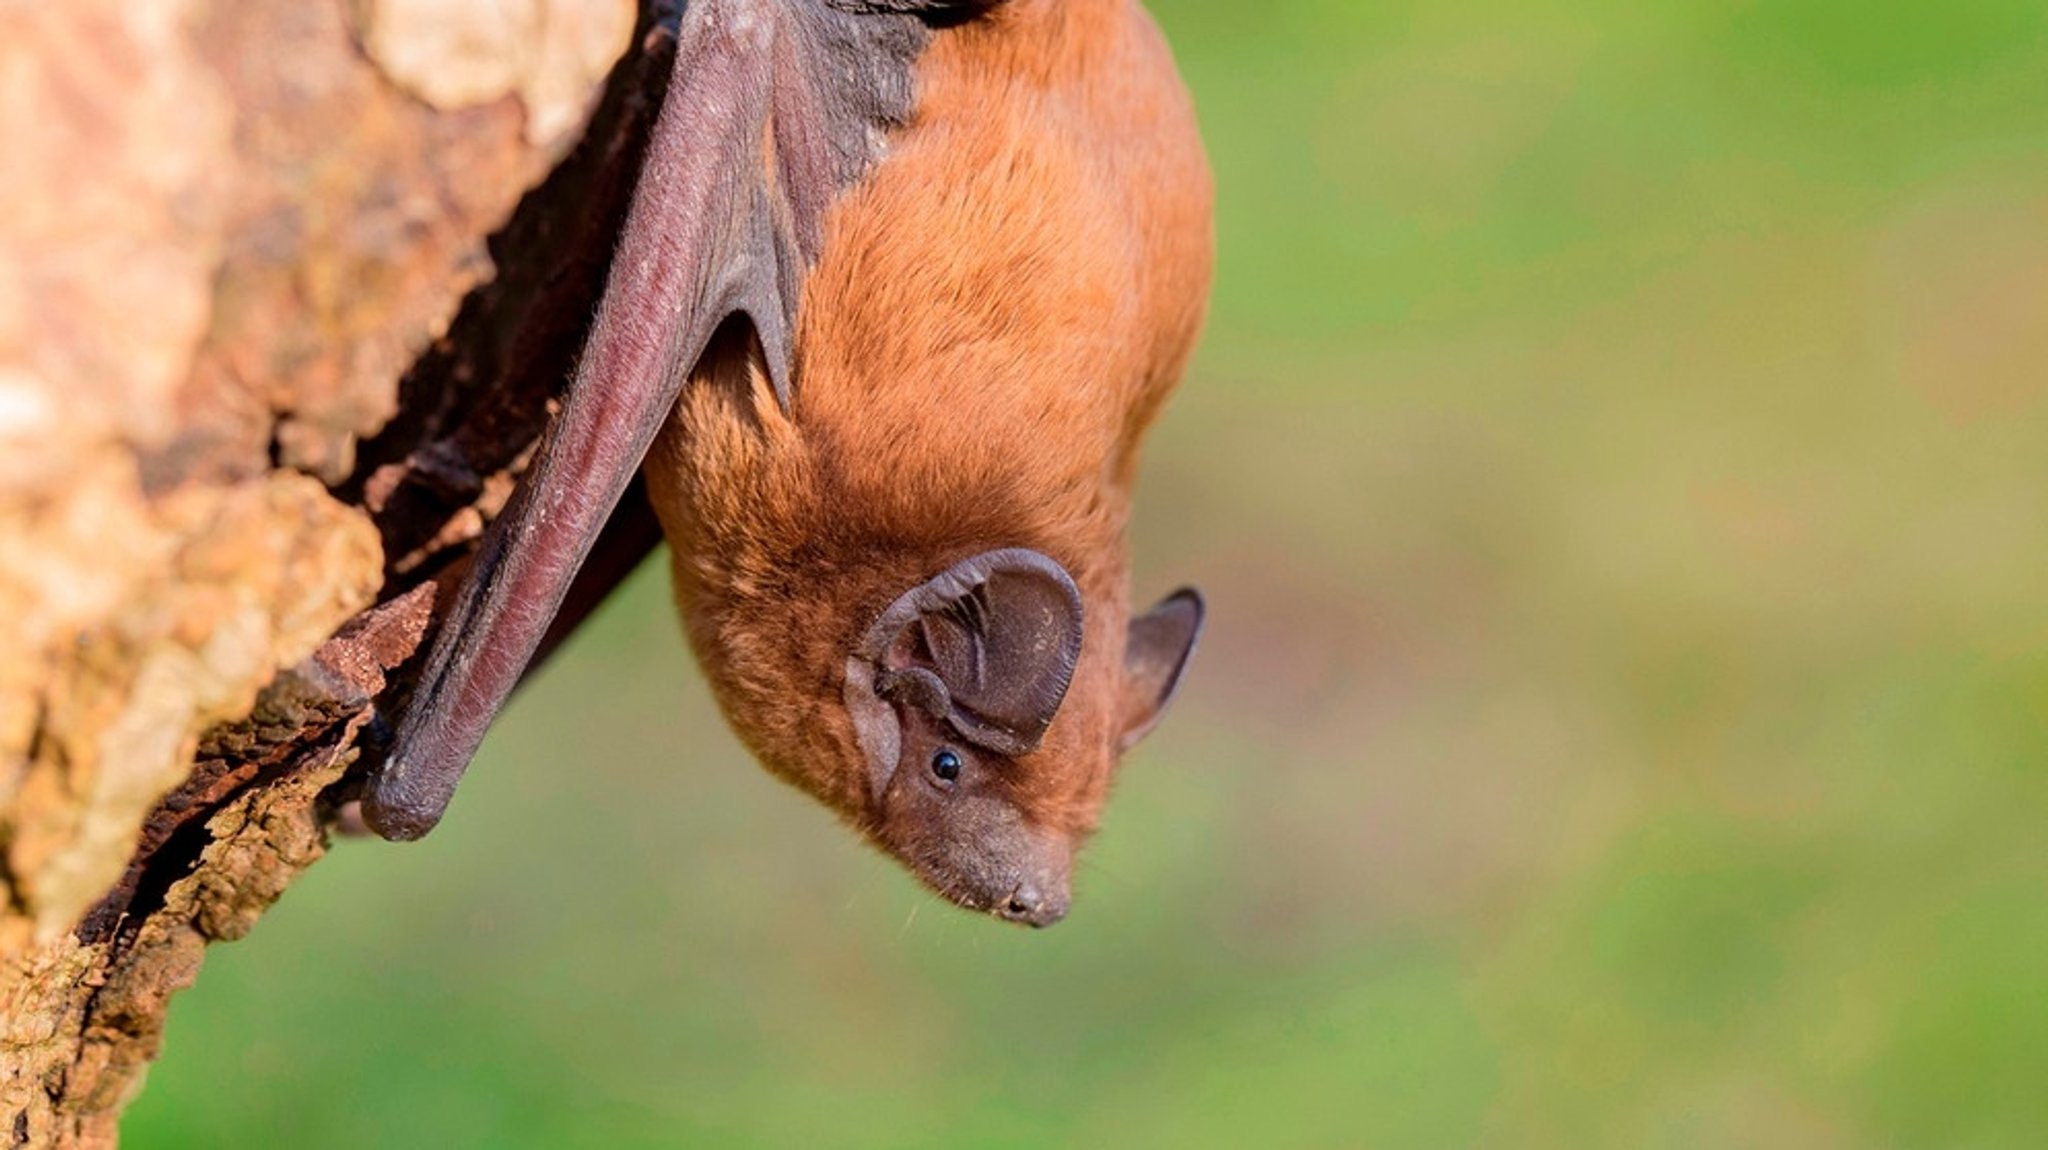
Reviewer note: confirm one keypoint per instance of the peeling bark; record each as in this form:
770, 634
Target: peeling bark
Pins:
286, 290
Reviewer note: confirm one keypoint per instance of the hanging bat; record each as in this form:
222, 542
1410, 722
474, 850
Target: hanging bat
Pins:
902, 286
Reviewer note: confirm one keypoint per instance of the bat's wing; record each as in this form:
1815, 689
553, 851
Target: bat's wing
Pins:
630, 535
775, 107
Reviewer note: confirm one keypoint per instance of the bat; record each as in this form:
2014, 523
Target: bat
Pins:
902, 286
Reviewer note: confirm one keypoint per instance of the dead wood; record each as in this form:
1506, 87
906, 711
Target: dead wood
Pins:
286, 290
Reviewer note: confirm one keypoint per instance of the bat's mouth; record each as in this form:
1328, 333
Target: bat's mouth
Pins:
1028, 904
1034, 896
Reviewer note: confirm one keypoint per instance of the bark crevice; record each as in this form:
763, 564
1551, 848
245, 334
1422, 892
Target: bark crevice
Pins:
349, 277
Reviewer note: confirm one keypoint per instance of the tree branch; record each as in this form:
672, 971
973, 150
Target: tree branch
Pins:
283, 307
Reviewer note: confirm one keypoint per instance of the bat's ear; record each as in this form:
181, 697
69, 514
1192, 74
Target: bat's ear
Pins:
987, 646
1156, 652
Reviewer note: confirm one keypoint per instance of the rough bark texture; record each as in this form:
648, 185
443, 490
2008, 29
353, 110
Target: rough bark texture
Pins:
286, 287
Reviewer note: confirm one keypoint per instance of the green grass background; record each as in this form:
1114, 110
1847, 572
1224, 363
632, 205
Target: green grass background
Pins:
1618, 467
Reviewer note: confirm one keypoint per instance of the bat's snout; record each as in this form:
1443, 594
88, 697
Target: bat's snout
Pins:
1029, 882
1036, 903
982, 855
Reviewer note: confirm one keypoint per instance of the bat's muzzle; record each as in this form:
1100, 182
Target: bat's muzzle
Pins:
1036, 904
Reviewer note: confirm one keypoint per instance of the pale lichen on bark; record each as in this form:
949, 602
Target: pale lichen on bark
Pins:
236, 241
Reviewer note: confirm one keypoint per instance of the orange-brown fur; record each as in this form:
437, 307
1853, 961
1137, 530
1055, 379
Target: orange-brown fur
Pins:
997, 314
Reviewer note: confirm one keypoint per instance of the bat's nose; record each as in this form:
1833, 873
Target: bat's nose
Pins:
1035, 904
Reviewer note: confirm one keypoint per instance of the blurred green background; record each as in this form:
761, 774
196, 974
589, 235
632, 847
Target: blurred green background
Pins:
1618, 468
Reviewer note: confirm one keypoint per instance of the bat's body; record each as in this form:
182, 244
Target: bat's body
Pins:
899, 322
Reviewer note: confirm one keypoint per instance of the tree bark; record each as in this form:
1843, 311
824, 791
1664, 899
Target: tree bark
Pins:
286, 290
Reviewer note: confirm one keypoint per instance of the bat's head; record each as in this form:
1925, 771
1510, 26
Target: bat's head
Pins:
985, 759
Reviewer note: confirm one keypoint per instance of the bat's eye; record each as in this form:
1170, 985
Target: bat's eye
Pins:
946, 765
